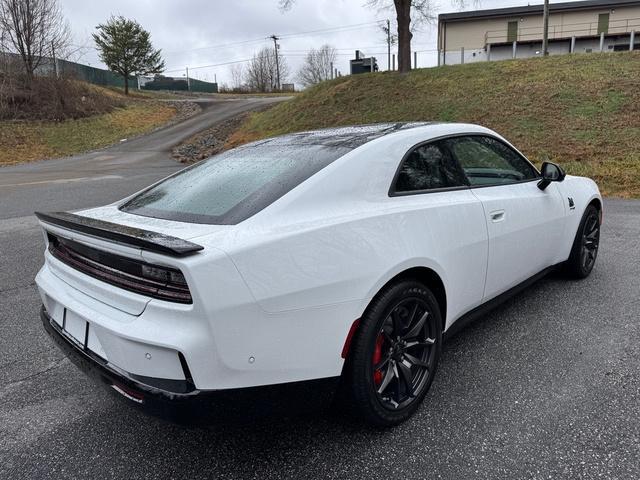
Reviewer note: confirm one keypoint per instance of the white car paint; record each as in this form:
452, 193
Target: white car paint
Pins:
275, 295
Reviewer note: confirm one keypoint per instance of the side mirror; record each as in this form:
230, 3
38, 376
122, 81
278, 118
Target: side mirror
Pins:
550, 173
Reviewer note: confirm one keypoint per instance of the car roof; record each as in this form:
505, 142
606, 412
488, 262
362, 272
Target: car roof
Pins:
354, 136
351, 136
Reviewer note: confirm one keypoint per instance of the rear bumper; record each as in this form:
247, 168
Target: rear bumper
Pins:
135, 387
186, 404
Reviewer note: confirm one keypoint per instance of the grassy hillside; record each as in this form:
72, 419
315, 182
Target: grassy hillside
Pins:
117, 117
582, 111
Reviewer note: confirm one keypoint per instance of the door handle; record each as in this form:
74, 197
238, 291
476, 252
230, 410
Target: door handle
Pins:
496, 215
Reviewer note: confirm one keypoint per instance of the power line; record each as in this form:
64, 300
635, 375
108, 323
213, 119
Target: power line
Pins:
222, 45
208, 66
337, 29
350, 49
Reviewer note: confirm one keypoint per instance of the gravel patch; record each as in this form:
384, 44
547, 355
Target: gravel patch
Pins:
184, 110
211, 141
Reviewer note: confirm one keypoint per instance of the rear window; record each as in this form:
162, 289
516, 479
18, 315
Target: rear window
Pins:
233, 186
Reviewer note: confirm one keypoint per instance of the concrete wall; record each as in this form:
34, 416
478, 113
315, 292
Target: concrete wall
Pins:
471, 34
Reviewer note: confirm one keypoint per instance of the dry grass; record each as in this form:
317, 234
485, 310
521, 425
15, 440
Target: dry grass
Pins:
54, 99
22, 141
582, 111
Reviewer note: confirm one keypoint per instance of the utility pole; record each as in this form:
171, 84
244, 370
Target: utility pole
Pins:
275, 45
388, 45
545, 28
188, 81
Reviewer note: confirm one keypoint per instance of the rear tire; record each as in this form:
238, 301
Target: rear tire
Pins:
394, 354
585, 245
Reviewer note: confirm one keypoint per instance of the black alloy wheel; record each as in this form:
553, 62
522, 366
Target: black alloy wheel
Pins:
394, 354
585, 245
404, 353
590, 241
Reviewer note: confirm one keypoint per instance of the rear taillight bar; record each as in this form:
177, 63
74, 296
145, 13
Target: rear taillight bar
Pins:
155, 281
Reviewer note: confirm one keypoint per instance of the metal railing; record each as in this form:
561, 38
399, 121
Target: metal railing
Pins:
585, 29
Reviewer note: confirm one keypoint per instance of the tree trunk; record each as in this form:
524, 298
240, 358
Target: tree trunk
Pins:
126, 84
403, 16
28, 70
28, 77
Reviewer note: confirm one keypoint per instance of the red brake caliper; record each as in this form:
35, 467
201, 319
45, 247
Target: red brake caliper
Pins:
377, 357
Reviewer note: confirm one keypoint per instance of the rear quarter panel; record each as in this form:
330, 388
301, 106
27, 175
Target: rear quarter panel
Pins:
350, 260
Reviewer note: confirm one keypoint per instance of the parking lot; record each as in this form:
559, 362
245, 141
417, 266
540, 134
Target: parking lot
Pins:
546, 386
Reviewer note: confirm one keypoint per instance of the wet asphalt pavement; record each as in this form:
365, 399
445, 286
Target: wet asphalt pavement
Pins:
546, 386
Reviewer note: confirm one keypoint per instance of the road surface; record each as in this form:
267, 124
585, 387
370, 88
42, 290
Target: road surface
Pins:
546, 386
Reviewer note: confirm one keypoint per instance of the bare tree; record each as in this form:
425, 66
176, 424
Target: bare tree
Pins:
237, 76
421, 10
261, 73
257, 75
317, 65
33, 29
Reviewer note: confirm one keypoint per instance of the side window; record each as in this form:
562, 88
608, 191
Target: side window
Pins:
487, 161
428, 167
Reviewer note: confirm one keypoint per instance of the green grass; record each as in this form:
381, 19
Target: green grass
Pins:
582, 111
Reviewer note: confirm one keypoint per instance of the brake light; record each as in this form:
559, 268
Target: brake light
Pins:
164, 283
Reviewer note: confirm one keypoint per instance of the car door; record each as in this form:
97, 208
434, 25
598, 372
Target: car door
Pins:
445, 222
525, 224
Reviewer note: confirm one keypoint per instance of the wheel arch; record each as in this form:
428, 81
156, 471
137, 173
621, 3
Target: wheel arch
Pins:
596, 202
427, 276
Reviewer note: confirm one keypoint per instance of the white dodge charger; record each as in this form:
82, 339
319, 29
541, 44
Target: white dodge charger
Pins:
344, 254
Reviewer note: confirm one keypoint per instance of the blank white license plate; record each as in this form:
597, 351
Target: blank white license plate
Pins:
75, 327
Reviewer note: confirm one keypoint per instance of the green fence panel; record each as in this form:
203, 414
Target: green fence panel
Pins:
107, 78
97, 76
167, 83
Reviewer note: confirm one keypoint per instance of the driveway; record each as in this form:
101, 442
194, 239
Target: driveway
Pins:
105, 175
546, 386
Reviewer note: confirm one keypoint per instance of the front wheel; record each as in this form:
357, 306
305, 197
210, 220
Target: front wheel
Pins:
394, 354
585, 245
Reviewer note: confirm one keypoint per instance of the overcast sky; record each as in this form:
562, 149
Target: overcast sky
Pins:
201, 33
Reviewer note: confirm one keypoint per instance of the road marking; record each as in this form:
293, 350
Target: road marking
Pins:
65, 180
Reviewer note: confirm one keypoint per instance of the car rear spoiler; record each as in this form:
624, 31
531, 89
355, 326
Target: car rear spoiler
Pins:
137, 237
